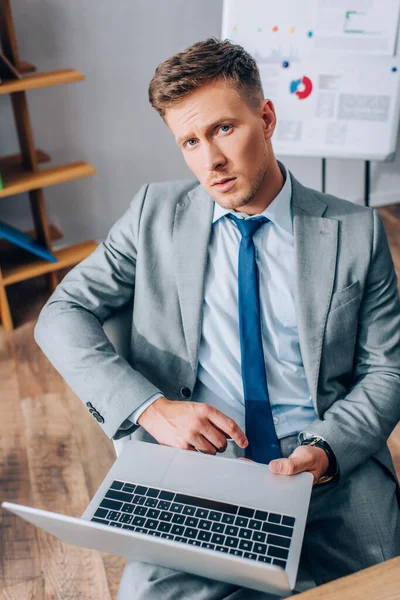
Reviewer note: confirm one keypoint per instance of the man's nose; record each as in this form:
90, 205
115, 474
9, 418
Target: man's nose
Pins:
213, 157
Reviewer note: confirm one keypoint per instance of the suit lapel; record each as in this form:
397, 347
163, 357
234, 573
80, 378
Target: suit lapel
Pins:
315, 242
191, 233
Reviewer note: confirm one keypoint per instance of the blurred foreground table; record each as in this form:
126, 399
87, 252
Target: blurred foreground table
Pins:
380, 582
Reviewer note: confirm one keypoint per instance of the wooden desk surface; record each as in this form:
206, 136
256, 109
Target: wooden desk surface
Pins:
381, 582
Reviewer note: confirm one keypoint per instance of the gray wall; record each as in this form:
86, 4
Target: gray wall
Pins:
107, 120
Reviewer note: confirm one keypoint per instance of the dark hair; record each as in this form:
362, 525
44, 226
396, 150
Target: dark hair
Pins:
202, 63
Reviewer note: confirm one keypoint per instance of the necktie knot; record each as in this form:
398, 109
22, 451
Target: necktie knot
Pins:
248, 227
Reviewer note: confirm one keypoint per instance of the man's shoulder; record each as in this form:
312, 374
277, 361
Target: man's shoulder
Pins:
173, 190
341, 208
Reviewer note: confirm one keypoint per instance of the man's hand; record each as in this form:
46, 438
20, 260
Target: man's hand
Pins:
191, 426
304, 458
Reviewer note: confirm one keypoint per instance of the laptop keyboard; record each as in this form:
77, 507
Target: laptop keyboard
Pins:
220, 526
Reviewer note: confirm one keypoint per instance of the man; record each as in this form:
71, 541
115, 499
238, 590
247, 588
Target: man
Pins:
256, 288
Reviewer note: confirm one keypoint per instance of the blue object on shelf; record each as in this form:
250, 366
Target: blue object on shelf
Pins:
19, 238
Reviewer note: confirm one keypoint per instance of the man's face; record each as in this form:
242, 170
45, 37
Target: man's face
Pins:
222, 137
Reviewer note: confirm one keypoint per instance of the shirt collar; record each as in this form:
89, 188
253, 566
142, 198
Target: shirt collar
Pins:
279, 211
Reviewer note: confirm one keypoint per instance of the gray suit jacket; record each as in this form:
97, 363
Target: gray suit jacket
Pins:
347, 307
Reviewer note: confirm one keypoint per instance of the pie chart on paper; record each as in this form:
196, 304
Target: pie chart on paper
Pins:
301, 87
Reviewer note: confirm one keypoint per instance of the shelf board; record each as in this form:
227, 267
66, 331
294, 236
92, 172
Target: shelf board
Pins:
39, 80
5, 246
26, 181
26, 67
15, 270
12, 163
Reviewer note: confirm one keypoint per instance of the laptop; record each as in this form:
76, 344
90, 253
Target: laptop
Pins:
222, 518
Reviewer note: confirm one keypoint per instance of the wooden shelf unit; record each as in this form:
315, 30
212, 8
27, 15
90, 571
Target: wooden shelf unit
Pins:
21, 173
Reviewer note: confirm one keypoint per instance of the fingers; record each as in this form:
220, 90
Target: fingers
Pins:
228, 426
300, 460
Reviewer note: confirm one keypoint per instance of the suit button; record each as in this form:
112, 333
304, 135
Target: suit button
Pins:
185, 392
99, 418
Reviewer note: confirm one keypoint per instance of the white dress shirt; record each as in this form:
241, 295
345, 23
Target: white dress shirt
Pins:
219, 380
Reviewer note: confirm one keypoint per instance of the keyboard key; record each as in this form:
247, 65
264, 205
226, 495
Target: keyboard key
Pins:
117, 485
152, 492
140, 500
141, 530
263, 558
250, 555
180, 539
165, 527
179, 519
125, 518
206, 503
165, 516
156, 533
205, 525
151, 502
245, 533
138, 521
246, 512
222, 548
190, 532
130, 527
167, 536
246, 545
141, 490
97, 520
113, 515
288, 521
256, 525
260, 548
277, 540
176, 508
164, 495
129, 487
218, 538
151, 523
115, 495
191, 521
202, 513
189, 510
113, 504
241, 521
260, 514
208, 546
280, 563
115, 524
229, 519
218, 527
204, 535
278, 529
231, 530
194, 542
277, 552
274, 518
236, 552
101, 513
176, 529
214, 516
232, 542
153, 513
259, 536
140, 510
128, 508
163, 505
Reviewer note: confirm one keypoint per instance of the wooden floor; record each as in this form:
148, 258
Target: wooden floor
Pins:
53, 455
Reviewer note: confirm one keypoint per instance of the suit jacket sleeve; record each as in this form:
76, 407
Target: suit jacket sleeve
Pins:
69, 329
357, 426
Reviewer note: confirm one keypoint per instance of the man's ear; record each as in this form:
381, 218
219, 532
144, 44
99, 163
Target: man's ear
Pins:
269, 118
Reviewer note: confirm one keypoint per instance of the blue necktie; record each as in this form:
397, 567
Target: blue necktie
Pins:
260, 429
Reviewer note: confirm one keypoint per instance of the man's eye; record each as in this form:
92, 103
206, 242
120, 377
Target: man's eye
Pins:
225, 126
187, 143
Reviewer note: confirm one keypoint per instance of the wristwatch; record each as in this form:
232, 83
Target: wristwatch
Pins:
331, 472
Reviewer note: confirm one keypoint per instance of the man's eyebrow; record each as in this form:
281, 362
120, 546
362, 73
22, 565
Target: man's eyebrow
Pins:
208, 127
